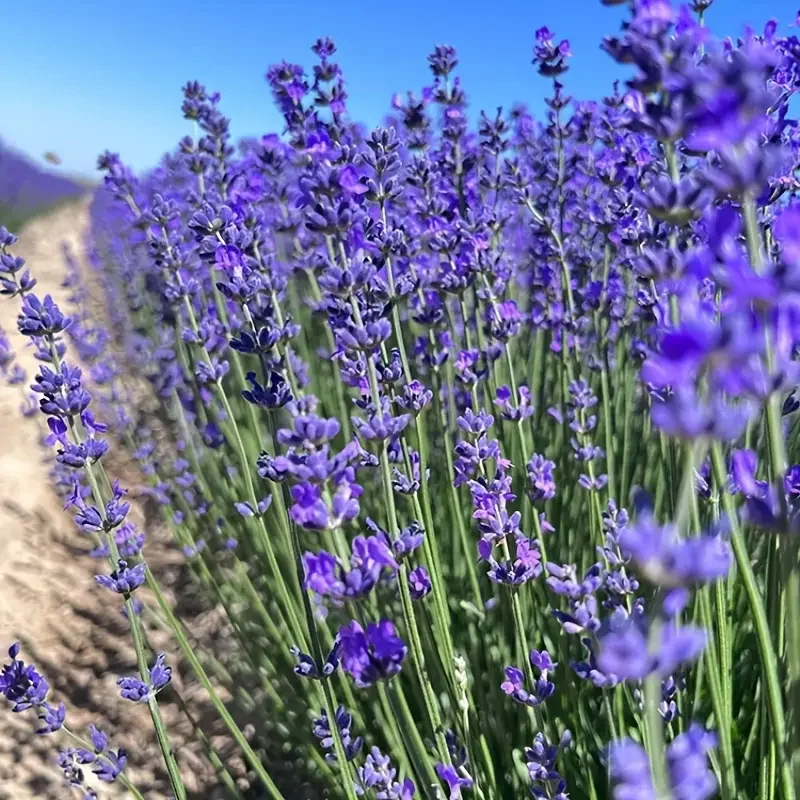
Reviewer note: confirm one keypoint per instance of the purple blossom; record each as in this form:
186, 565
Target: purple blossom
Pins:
415, 397
419, 583
405, 542
475, 424
309, 431
506, 403
311, 510
41, 317
514, 684
276, 395
322, 730
541, 759
540, 477
455, 782
326, 576
551, 59
666, 559
123, 579
21, 684
308, 668
378, 428
378, 776
372, 655
24, 687
159, 675
689, 775
625, 651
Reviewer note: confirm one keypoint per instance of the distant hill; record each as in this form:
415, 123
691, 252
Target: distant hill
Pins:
26, 188
24, 182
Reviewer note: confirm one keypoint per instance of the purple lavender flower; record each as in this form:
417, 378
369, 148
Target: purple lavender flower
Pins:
131, 688
563, 580
309, 431
540, 476
311, 510
62, 393
41, 317
526, 565
506, 403
21, 684
326, 576
107, 764
689, 775
629, 768
98, 738
419, 583
6, 354
378, 428
405, 542
667, 560
123, 579
276, 395
687, 763
475, 424
322, 730
443, 60
378, 776
513, 685
308, 668
23, 687
541, 760
110, 765
455, 781
625, 652
69, 761
372, 655
550, 58
160, 674
415, 397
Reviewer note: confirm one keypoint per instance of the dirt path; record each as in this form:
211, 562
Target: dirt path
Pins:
48, 600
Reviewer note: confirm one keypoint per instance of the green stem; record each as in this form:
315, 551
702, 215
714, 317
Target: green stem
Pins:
244, 465
769, 662
188, 652
653, 722
718, 672
417, 654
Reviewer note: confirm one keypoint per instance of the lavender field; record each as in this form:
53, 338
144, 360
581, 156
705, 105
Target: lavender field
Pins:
27, 190
451, 458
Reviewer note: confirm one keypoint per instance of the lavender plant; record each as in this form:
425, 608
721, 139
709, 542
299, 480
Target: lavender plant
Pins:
482, 440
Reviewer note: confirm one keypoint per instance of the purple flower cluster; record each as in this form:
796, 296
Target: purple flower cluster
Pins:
322, 731
514, 683
690, 777
107, 765
160, 674
328, 578
325, 494
379, 776
25, 688
664, 558
371, 655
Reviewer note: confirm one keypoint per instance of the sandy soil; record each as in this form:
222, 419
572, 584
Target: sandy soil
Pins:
48, 599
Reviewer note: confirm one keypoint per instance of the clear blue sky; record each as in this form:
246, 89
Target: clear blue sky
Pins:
79, 77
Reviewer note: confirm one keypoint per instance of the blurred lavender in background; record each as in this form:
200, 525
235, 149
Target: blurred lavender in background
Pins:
26, 188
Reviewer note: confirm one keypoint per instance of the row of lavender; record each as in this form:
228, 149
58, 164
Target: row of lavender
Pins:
407, 378
26, 189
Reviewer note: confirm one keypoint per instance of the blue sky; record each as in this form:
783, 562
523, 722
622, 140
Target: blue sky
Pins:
80, 77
